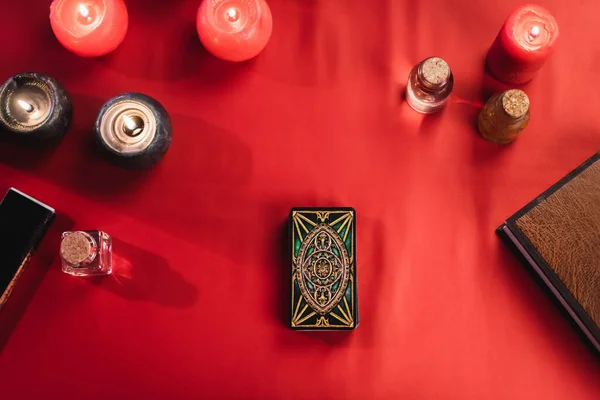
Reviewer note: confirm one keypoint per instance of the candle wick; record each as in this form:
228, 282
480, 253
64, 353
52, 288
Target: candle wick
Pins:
25, 106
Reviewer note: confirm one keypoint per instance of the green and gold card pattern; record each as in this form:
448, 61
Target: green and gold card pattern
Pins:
323, 269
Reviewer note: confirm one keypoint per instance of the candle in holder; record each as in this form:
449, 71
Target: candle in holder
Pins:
524, 43
89, 28
35, 106
134, 130
234, 30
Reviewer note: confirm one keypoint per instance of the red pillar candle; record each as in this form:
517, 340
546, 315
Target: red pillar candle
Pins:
523, 45
89, 28
234, 30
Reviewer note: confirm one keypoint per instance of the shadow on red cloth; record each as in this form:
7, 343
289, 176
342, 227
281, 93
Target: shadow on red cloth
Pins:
32, 277
223, 157
172, 50
553, 320
142, 276
309, 51
75, 161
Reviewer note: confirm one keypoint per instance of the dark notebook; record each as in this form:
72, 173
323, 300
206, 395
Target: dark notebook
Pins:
23, 223
558, 235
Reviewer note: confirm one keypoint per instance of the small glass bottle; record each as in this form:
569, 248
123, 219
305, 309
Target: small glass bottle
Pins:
504, 116
86, 253
429, 84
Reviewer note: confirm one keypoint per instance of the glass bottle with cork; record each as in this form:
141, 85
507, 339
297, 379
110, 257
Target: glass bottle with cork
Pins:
429, 84
504, 116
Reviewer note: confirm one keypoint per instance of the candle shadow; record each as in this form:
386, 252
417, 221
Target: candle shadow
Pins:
204, 181
490, 85
87, 168
305, 50
77, 161
32, 277
32, 46
139, 275
197, 192
220, 71
23, 155
167, 49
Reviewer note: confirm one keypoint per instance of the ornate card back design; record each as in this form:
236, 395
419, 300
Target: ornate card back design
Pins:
323, 271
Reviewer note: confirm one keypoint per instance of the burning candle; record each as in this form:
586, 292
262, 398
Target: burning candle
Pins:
523, 45
35, 106
134, 130
89, 28
234, 30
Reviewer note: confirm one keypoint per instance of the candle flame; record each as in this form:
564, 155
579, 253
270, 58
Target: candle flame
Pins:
232, 14
535, 31
83, 10
129, 123
25, 106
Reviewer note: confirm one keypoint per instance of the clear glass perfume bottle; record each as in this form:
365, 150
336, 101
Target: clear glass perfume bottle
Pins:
86, 253
429, 84
504, 116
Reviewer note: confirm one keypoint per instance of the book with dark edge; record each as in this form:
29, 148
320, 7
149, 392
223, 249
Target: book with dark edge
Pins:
558, 236
23, 223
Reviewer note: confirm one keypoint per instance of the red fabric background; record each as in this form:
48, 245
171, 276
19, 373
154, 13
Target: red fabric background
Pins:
196, 307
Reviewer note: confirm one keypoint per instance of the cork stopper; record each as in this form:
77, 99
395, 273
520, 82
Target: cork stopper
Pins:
75, 248
435, 70
515, 103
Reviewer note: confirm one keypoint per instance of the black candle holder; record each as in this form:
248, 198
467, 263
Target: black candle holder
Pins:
134, 130
35, 107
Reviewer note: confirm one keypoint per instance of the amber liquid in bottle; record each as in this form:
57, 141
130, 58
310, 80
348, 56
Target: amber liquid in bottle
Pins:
504, 116
429, 84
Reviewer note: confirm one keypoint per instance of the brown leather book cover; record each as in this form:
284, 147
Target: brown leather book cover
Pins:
558, 235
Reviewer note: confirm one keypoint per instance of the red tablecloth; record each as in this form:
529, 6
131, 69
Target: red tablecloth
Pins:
197, 304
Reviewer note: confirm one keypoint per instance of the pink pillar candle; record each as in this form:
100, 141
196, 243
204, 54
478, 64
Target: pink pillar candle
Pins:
89, 28
234, 30
523, 45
